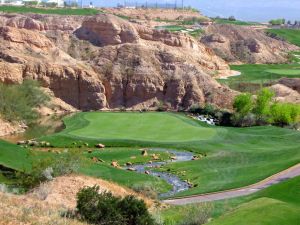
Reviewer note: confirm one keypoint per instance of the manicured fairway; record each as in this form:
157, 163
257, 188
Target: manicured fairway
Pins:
285, 72
291, 35
17, 158
264, 73
155, 127
239, 157
39, 10
278, 204
236, 157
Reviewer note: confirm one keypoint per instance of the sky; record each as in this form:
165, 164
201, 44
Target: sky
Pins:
250, 10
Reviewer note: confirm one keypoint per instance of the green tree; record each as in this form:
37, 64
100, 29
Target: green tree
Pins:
285, 113
243, 104
263, 103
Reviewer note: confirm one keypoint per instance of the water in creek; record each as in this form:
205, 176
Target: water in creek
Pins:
44, 126
177, 184
52, 124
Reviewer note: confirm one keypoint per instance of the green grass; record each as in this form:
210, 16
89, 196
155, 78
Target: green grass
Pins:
155, 127
171, 28
235, 156
238, 157
124, 155
264, 73
290, 35
20, 159
14, 156
236, 22
278, 204
254, 75
196, 33
58, 11
263, 211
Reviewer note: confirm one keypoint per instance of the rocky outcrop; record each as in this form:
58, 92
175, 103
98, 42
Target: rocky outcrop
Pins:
241, 44
293, 83
41, 22
8, 128
107, 30
285, 94
109, 63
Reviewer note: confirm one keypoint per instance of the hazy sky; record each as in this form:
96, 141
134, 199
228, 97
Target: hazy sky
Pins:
253, 10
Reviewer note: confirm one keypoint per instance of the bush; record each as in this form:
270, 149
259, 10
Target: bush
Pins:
263, 110
231, 18
277, 22
196, 214
284, 113
243, 104
146, 189
104, 208
45, 169
18, 102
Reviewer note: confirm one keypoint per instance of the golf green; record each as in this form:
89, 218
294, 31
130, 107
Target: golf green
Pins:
288, 72
155, 127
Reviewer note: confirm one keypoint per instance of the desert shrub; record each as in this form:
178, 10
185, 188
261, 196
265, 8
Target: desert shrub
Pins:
104, 208
44, 169
241, 120
18, 102
231, 18
146, 189
196, 214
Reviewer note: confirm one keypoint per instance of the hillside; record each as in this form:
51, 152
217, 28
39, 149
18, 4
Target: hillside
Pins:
103, 62
242, 44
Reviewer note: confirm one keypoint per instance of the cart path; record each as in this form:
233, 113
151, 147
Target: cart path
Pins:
291, 172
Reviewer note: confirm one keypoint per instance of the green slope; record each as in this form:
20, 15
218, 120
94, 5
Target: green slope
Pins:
263, 211
290, 35
158, 127
235, 156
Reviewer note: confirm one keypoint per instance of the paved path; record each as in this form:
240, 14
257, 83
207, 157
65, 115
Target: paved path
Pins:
276, 178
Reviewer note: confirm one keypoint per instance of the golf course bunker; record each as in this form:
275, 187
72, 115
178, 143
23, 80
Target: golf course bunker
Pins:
149, 126
177, 184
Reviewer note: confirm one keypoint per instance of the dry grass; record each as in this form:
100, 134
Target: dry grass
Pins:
62, 190
45, 204
15, 210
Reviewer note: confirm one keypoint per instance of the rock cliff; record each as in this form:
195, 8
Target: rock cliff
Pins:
107, 62
241, 44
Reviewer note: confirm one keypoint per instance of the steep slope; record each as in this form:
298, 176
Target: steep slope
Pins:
239, 44
110, 63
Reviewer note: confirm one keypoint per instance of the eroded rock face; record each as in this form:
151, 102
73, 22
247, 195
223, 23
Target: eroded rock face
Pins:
293, 83
104, 30
236, 44
41, 22
110, 63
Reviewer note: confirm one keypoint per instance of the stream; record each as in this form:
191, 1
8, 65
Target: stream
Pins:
177, 184
53, 124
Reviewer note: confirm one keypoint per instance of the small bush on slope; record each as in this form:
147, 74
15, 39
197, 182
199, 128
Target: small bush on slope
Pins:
18, 102
47, 168
104, 208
